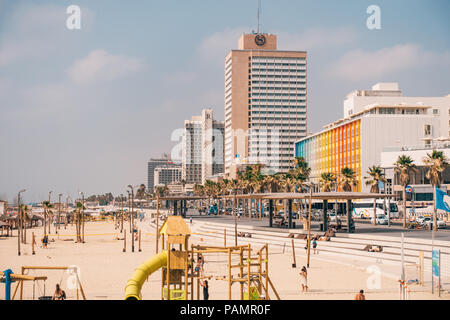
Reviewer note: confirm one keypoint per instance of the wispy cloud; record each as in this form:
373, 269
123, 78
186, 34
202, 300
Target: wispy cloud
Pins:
315, 38
362, 65
37, 31
99, 65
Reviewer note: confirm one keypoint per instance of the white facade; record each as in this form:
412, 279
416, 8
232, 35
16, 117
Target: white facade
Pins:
165, 175
202, 148
278, 110
390, 94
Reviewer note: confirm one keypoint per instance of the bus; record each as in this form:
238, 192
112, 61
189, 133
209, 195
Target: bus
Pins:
364, 209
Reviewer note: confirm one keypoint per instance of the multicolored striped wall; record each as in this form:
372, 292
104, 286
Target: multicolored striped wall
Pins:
333, 149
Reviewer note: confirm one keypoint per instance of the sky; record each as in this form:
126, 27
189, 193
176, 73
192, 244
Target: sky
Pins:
85, 109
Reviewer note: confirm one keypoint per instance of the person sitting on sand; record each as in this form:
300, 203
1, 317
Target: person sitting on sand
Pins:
59, 294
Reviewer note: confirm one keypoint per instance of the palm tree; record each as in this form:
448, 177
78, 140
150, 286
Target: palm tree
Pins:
403, 167
436, 162
47, 206
140, 192
327, 180
376, 176
348, 179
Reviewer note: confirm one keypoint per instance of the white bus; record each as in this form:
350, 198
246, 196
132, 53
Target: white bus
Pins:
364, 209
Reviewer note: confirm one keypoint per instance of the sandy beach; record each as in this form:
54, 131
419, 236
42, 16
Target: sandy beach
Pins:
105, 268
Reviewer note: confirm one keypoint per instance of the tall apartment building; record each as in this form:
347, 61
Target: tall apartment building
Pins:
167, 174
152, 164
265, 103
202, 148
374, 121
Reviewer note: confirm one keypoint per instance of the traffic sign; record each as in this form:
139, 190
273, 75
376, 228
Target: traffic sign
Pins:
408, 189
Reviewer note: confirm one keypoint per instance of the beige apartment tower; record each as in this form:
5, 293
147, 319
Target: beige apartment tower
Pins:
265, 103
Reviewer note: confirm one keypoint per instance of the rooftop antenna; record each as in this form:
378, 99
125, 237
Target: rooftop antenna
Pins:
259, 12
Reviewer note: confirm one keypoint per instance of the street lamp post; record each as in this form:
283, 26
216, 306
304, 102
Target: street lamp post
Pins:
82, 217
132, 217
309, 224
48, 213
129, 206
59, 211
121, 213
19, 221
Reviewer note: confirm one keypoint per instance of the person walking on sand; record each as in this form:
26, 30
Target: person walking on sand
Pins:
360, 295
205, 290
190, 220
304, 279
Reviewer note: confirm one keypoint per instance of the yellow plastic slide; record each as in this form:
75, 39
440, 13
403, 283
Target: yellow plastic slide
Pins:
141, 273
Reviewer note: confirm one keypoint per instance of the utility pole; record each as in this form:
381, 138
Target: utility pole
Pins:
19, 221
82, 217
48, 212
121, 213
59, 211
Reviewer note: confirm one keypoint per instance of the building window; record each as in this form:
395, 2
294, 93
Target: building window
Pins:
435, 111
427, 129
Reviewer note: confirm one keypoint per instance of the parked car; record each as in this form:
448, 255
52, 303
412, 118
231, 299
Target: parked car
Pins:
428, 221
381, 219
419, 219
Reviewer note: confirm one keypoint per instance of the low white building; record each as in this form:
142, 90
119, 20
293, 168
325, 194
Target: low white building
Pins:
422, 189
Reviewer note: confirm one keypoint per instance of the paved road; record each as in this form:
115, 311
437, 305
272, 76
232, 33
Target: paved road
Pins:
362, 226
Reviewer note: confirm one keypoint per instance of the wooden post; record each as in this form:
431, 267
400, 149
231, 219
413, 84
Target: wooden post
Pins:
21, 285
140, 234
294, 265
249, 261
309, 227
241, 271
224, 237
168, 271
267, 271
124, 240
33, 241
229, 274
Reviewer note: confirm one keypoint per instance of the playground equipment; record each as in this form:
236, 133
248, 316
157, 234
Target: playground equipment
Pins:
8, 277
179, 275
25, 269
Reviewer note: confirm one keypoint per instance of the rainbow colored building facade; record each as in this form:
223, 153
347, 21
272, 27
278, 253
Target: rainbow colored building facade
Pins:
333, 149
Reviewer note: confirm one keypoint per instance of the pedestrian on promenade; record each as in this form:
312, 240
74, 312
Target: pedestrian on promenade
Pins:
190, 220
304, 279
205, 290
360, 295
314, 245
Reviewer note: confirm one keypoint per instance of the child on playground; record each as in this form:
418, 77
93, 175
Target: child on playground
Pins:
59, 294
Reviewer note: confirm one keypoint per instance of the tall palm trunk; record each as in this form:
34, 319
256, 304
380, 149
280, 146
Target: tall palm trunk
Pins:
434, 209
404, 206
374, 222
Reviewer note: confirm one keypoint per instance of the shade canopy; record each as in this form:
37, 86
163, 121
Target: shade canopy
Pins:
315, 196
174, 226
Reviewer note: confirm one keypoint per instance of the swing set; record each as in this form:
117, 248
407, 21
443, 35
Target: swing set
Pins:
42, 295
